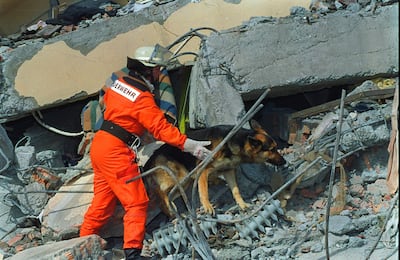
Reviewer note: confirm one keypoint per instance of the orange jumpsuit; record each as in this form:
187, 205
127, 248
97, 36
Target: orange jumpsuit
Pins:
114, 162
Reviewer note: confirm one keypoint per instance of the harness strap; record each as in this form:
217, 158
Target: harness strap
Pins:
128, 138
135, 82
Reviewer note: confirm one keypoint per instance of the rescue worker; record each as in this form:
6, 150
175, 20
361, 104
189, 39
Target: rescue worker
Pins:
130, 110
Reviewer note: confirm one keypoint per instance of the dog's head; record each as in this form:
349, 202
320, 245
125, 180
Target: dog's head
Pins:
261, 147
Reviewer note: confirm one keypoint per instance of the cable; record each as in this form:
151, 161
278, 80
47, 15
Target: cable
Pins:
192, 32
54, 130
8, 162
184, 53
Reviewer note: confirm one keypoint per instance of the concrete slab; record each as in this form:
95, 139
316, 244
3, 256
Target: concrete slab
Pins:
75, 65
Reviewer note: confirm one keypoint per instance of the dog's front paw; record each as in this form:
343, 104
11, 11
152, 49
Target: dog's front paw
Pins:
243, 205
208, 208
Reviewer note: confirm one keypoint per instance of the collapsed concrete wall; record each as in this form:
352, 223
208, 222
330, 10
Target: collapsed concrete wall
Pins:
300, 53
39, 73
221, 97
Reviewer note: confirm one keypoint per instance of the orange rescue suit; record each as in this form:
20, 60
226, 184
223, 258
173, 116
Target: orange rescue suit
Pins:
134, 109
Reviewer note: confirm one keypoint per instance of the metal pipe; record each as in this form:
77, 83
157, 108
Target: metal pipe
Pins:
293, 179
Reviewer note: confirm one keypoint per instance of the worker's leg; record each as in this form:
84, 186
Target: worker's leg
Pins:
102, 206
134, 199
104, 200
115, 161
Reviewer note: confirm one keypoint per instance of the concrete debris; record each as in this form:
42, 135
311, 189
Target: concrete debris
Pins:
4, 52
215, 63
74, 17
84, 10
355, 226
45, 190
221, 72
90, 247
133, 6
390, 236
6, 150
365, 125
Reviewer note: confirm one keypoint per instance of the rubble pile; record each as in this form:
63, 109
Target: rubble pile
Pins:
287, 224
74, 17
361, 201
334, 196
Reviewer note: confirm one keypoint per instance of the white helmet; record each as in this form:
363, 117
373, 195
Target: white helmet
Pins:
145, 55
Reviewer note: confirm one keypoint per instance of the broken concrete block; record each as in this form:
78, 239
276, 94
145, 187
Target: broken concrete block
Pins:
66, 209
48, 31
88, 247
64, 212
101, 48
290, 56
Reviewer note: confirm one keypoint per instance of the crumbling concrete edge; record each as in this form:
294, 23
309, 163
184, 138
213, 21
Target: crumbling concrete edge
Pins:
261, 54
79, 40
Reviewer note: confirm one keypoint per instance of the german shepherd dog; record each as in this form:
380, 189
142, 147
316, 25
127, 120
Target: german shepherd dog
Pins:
246, 146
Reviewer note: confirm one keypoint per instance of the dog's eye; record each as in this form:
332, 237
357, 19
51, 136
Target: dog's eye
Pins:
266, 147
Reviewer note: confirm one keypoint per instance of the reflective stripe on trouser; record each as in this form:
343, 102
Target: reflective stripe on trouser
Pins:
113, 165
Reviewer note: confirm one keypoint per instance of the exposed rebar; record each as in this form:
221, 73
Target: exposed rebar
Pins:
51, 191
333, 168
198, 240
293, 179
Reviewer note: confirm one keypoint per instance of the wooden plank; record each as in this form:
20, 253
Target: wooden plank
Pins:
370, 94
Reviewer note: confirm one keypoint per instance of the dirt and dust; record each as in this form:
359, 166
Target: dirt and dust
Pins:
363, 220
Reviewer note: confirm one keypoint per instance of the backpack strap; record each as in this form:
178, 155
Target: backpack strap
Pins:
135, 82
93, 112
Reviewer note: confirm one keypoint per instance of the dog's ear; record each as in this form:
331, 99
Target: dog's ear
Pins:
258, 128
255, 125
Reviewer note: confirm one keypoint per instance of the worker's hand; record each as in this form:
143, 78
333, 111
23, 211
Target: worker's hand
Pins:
197, 148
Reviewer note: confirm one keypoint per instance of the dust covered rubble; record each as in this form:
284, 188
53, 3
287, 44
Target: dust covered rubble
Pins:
297, 234
262, 42
361, 202
304, 52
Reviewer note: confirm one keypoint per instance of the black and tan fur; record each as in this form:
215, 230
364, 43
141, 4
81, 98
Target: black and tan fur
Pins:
246, 146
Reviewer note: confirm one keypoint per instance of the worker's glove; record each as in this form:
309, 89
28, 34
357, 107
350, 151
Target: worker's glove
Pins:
197, 148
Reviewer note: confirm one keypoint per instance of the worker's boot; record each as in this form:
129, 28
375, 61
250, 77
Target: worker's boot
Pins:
132, 254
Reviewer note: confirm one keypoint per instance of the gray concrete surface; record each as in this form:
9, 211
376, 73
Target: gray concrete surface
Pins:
290, 55
300, 53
